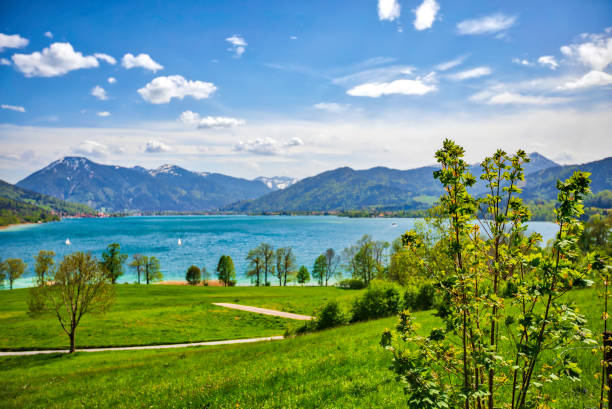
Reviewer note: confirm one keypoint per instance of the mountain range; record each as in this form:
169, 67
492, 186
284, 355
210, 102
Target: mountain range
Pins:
172, 188
116, 188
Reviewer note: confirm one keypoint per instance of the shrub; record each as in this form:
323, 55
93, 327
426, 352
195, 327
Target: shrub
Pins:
381, 299
352, 284
328, 316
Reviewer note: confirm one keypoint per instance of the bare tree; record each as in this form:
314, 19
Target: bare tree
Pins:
331, 264
77, 287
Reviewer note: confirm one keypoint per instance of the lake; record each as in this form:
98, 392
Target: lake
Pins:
204, 238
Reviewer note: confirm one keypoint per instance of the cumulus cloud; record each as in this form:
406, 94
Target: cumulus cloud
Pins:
103, 114
106, 57
12, 41
594, 52
49, 34
450, 64
549, 61
210, 122
333, 107
425, 14
99, 92
4, 61
130, 61
92, 148
521, 61
486, 25
111, 80
162, 89
513, 98
388, 10
471, 73
154, 146
404, 87
57, 59
238, 45
591, 79
13, 108
267, 146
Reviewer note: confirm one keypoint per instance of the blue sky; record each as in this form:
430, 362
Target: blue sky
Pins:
295, 88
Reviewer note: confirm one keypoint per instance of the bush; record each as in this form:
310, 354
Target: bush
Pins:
351, 284
328, 316
420, 298
381, 299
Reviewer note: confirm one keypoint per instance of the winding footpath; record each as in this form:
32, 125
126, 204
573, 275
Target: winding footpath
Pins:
256, 310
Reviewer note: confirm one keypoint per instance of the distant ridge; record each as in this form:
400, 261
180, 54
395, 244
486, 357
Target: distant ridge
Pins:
116, 188
390, 189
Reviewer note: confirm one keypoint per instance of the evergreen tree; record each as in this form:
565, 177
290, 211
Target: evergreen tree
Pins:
112, 261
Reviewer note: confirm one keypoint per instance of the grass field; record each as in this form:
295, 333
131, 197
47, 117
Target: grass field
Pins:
157, 314
339, 368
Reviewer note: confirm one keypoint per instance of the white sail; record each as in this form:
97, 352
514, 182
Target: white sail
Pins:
179, 242
68, 243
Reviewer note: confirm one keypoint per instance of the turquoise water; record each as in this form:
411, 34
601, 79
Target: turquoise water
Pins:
204, 238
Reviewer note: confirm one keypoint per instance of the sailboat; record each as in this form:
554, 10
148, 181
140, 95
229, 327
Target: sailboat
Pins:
179, 242
68, 243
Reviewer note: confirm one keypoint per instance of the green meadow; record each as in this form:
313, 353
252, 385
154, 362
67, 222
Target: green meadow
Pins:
343, 367
160, 314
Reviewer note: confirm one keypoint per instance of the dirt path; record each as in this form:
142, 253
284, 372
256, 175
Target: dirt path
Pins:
193, 344
264, 311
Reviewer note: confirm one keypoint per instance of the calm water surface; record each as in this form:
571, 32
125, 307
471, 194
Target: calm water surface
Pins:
204, 238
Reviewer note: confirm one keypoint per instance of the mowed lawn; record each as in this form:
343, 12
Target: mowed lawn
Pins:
158, 314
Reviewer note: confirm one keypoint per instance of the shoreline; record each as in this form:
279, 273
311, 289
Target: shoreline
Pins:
9, 226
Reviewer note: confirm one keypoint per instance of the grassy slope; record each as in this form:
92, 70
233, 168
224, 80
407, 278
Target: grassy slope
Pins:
338, 368
158, 314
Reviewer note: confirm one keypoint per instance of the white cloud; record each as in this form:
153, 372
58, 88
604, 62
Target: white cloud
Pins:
218, 122
210, 122
57, 59
4, 61
595, 53
267, 146
103, 114
513, 98
13, 107
450, 64
99, 92
12, 41
486, 25
48, 34
92, 148
106, 57
591, 79
471, 73
238, 45
381, 74
162, 89
548, 60
111, 80
521, 61
425, 14
293, 37
388, 10
154, 146
130, 61
332, 107
404, 87
295, 141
